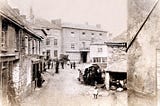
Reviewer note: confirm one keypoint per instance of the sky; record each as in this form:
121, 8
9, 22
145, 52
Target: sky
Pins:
111, 14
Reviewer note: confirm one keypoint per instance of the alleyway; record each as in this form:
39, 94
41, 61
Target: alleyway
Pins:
64, 89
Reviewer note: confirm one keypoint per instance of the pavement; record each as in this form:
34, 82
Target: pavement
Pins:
63, 89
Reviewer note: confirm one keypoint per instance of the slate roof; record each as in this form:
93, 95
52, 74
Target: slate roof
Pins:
82, 27
7, 12
43, 23
117, 66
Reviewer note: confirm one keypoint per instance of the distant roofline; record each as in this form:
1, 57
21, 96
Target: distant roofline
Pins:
85, 29
41, 30
21, 25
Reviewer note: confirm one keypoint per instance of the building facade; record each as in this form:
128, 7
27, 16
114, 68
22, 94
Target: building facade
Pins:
19, 57
98, 53
76, 40
52, 39
53, 43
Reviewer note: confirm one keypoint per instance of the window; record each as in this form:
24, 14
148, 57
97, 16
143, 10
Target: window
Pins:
55, 42
4, 35
72, 34
29, 46
92, 39
72, 46
99, 49
92, 33
104, 59
97, 59
83, 33
55, 53
47, 41
83, 44
33, 46
26, 44
17, 39
39, 47
36, 42
100, 34
4, 40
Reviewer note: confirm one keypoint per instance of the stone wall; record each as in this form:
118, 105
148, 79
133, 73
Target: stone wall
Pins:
54, 34
142, 53
81, 41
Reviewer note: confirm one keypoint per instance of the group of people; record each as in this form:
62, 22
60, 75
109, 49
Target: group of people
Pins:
73, 65
49, 64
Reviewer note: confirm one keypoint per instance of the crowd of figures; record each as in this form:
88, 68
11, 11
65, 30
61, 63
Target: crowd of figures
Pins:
50, 64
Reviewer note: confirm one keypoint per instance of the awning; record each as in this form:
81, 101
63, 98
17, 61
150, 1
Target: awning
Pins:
117, 66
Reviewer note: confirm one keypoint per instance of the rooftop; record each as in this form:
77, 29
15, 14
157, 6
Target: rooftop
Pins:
83, 26
13, 15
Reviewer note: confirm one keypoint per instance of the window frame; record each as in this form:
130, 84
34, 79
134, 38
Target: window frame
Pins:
55, 42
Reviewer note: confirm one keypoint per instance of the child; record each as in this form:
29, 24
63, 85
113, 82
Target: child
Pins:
95, 93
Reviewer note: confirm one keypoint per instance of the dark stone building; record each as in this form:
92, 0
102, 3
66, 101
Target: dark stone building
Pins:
19, 56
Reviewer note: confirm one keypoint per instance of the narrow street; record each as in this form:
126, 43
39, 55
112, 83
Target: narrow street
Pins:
64, 89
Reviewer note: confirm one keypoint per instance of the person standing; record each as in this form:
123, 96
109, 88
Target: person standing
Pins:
74, 65
95, 92
71, 65
62, 64
57, 66
49, 63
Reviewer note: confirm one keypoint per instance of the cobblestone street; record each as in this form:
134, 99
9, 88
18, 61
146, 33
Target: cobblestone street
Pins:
64, 89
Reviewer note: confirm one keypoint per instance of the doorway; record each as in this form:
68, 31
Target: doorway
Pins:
84, 57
